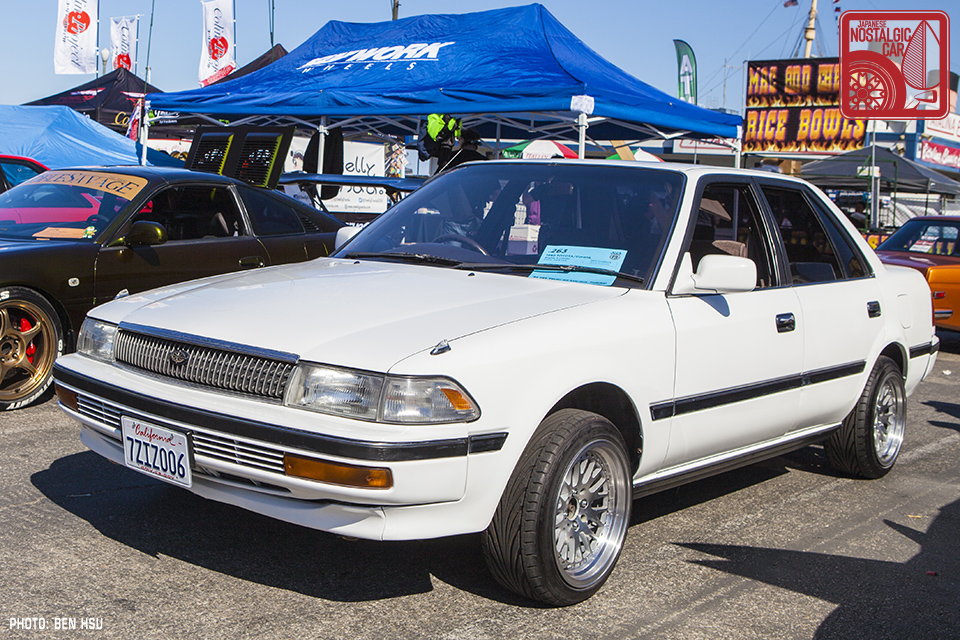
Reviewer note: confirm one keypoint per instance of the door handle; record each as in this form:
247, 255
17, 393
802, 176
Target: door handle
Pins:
251, 262
873, 309
786, 322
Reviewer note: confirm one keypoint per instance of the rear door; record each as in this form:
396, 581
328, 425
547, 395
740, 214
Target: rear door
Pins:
206, 235
739, 355
287, 234
841, 300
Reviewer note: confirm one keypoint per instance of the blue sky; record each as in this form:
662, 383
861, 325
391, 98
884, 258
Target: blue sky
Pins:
636, 35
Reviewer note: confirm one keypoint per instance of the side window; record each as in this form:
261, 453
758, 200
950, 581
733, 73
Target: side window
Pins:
269, 216
192, 213
729, 222
810, 251
852, 261
16, 173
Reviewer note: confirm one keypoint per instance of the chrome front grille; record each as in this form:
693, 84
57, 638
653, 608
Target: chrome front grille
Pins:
253, 455
226, 449
98, 410
204, 365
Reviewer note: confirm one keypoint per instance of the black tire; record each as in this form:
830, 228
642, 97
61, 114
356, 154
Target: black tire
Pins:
31, 339
540, 527
868, 442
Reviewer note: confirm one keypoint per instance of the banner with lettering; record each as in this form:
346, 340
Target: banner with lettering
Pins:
793, 106
217, 58
75, 49
123, 43
687, 72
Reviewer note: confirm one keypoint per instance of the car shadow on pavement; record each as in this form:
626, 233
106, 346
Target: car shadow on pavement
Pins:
947, 410
158, 519
679, 498
874, 598
949, 341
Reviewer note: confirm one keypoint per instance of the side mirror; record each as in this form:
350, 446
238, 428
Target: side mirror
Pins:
716, 274
144, 233
345, 233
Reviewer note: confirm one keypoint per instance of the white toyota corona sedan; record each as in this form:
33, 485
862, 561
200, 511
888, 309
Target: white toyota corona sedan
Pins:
519, 349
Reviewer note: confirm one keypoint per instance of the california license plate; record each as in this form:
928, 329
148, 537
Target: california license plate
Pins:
156, 451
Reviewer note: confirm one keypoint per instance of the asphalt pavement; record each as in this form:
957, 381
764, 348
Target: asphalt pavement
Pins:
781, 549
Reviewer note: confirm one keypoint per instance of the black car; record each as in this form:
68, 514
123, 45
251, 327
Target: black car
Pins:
72, 239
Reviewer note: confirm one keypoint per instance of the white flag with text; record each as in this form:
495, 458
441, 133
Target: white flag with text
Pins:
123, 43
75, 50
216, 59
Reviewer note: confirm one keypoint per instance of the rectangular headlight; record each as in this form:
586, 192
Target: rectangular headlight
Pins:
381, 398
96, 339
426, 400
340, 392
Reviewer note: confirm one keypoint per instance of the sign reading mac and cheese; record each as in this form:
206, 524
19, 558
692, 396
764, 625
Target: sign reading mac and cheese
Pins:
793, 106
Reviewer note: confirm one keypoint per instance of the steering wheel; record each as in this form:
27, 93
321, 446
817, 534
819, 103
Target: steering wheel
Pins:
456, 237
95, 219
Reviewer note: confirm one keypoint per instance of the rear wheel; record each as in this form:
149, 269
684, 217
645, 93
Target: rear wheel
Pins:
867, 444
563, 517
31, 339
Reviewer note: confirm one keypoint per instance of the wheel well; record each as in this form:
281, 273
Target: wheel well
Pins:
896, 353
65, 323
615, 405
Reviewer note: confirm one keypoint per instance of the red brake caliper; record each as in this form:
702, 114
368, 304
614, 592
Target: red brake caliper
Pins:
31, 348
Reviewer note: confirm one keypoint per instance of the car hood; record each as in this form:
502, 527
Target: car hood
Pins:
366, 315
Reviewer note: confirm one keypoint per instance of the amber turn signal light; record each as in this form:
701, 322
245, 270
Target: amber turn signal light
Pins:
67, 398
345, 475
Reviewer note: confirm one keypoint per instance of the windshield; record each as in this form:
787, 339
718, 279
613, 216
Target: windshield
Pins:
596, 224
925, 236
73, 205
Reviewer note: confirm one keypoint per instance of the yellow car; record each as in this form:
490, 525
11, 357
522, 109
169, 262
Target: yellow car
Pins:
931, 245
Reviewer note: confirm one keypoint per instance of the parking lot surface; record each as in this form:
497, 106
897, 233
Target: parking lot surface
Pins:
781, 549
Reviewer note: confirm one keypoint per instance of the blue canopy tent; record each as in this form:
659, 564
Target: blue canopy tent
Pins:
59, 137
510, 73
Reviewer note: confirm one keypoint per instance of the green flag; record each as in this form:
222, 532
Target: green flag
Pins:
687, 67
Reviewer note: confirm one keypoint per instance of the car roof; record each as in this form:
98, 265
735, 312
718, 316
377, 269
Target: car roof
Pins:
22, 159
169, 174
934, 219
691, 170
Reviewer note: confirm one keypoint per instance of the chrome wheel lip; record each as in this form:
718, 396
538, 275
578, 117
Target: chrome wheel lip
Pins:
592, 514
889, 421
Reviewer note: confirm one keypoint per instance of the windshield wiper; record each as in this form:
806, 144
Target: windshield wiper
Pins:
417, 258
563, 268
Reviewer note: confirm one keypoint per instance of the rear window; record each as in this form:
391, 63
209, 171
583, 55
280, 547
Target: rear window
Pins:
925, 236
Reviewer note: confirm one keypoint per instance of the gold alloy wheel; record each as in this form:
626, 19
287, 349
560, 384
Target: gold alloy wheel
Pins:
28, 348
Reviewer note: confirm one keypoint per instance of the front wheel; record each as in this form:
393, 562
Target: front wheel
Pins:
868, 442
31, 339
563, 517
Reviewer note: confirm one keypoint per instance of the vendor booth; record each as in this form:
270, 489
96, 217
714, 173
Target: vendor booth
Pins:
510, 73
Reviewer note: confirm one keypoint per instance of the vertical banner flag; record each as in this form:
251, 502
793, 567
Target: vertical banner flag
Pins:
75, 50
687, 66
123, 43
216, 59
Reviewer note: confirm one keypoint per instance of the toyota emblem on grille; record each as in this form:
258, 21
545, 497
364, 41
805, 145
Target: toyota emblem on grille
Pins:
179, 356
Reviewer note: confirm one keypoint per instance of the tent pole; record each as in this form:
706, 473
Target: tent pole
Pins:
497, 151
582, 126
321, 143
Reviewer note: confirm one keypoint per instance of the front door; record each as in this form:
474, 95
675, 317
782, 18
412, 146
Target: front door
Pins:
206, 236
739, 355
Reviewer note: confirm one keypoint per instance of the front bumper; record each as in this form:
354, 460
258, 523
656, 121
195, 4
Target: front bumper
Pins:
239, 461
